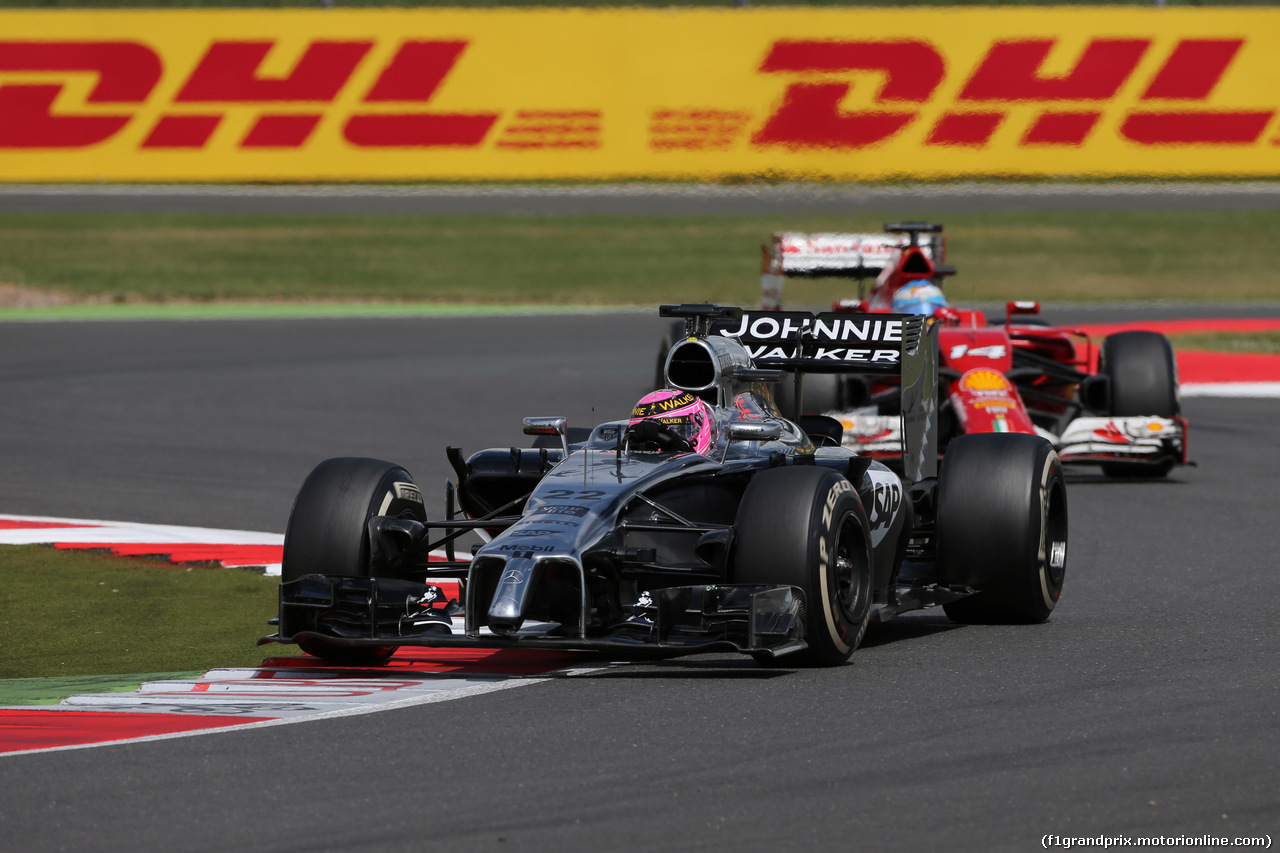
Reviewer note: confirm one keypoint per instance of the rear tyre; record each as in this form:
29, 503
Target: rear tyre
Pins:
806, 527
1002, 527
1143, 376
327, 532
822, 393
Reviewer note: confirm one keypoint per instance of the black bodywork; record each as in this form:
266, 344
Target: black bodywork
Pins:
607, 544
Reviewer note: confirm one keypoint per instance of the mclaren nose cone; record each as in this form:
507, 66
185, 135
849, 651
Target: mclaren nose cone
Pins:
511, 596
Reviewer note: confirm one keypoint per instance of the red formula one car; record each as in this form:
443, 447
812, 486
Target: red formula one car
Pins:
1114, 404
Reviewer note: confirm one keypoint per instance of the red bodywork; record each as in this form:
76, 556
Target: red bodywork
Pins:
969, 348
1021, 375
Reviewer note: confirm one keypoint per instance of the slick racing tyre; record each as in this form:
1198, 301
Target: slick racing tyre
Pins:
821, 393
1002, 527
805, 527
1143, 374
327, 534
1144, 381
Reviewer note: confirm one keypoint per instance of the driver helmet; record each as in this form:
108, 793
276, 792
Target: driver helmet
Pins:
682, 412
919, 297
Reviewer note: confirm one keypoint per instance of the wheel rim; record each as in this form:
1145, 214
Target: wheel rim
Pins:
850, 582
1055, 539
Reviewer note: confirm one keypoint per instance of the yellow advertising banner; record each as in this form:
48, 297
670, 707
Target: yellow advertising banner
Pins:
794, 93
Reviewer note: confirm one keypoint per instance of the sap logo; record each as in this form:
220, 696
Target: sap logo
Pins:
886, 500
1170, 107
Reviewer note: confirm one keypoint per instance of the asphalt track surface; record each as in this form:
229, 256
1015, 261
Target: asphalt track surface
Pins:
1147, 706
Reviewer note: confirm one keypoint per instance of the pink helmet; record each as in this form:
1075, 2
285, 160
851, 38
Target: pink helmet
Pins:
688, 416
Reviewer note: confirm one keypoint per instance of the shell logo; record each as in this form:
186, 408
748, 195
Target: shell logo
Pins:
984, 379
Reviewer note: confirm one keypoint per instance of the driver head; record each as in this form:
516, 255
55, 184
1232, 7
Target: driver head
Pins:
680, 411
919, 297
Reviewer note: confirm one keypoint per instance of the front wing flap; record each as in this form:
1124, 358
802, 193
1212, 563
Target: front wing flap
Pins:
350, 611
1088, 440
1124, 439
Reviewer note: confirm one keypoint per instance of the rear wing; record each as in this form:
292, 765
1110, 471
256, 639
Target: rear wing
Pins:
889, 346
914, 249
830, 342
791, 253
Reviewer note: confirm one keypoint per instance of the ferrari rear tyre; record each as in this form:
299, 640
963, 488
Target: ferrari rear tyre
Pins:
1002, 527
327, 535
806, 527
1143, 374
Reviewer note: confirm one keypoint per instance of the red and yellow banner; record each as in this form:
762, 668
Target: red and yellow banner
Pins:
340, 95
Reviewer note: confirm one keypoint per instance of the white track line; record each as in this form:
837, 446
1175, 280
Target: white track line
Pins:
292, 697
394, 704
1230, 389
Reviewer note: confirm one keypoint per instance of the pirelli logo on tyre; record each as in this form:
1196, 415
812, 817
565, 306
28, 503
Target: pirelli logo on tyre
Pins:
700, 93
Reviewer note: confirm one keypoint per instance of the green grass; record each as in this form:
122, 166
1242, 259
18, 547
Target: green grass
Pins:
51, 690
71, 613
610, 260
1259, 342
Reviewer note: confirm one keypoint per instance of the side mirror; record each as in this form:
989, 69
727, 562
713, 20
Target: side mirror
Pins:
754, 430
1012, 308
850, 306
549, 426
947, 316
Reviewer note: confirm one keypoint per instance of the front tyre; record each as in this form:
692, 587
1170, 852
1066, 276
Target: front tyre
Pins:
327, 532
1002, 527
806, 527
1143, 375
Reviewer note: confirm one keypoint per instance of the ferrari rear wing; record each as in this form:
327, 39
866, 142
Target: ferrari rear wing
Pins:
790, 253
914, 249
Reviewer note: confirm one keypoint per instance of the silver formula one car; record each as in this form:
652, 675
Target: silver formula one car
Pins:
704, 522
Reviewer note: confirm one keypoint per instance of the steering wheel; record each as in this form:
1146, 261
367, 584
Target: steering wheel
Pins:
659, 435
